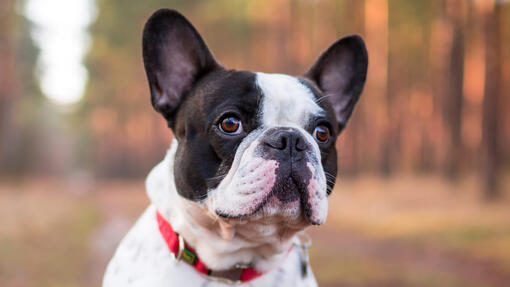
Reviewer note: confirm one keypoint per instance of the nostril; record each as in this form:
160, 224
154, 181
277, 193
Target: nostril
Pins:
279, 142
283, 143
275, 144
300, 144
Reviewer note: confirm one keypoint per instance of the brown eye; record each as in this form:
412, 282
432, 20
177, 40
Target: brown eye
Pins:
321, 133
231, 125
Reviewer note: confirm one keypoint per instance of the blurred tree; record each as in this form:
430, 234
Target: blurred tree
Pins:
20, 96
492, 102
376, 31
453, 94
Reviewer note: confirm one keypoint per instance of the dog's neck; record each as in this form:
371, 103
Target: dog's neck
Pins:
220, 243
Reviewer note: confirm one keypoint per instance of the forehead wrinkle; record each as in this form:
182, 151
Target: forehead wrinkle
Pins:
286, 101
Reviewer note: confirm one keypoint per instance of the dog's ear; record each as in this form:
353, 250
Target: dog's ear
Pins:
340, 73
175, 57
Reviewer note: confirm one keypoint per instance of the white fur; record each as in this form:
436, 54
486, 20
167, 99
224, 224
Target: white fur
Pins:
318, 201
287, 102
143, 259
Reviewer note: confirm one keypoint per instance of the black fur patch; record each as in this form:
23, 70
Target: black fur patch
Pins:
205, 154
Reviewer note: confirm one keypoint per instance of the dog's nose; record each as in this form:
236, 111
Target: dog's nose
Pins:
288, 141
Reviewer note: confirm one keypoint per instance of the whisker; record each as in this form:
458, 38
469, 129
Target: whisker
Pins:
319, 100
221, 176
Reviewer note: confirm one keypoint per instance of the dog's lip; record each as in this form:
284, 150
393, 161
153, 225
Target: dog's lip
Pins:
306, 209
306, 214
246, 215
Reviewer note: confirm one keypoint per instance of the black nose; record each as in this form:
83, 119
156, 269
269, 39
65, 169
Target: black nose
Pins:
287, 141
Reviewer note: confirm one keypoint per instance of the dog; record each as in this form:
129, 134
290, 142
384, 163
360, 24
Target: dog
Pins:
252, 164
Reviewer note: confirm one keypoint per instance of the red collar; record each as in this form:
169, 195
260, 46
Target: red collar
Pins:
181, 250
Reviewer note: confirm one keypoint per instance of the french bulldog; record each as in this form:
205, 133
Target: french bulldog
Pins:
252, 164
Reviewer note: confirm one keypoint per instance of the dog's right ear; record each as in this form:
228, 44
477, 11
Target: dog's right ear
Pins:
175, 57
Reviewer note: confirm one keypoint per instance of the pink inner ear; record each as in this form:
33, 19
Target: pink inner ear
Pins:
333, 83
179, 71
340, 73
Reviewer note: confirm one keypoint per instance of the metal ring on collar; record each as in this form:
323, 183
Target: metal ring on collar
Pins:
181, 248
304, 240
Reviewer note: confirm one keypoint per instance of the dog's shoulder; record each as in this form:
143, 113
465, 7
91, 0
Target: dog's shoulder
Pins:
142, 258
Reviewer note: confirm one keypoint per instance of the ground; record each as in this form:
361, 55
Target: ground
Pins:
400, 231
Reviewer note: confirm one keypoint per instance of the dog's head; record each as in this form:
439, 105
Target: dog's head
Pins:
251, 144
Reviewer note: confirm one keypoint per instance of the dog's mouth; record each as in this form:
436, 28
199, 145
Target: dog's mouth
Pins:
288, 197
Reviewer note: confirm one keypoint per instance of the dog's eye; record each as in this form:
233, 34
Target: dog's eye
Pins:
321, 133
231, 125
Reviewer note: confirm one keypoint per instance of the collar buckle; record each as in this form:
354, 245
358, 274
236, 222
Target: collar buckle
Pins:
182, 246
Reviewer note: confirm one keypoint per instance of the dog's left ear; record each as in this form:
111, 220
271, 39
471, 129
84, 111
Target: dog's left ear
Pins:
340, 73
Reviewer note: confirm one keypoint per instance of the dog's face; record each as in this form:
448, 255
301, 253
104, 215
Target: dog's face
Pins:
251, 144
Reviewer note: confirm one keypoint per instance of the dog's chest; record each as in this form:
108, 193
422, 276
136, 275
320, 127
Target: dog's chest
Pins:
143, 259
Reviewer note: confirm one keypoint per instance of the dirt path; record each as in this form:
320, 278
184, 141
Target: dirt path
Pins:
407, 256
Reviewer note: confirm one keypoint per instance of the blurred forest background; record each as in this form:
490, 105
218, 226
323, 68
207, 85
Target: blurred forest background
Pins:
424, 162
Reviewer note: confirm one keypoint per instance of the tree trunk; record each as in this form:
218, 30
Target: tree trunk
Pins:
491, 103
376, 36
453, 98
